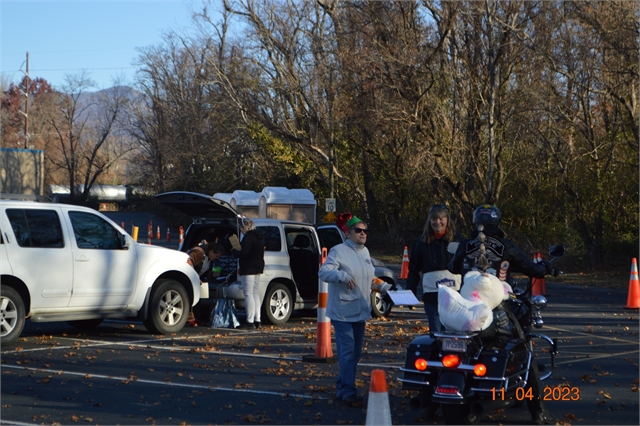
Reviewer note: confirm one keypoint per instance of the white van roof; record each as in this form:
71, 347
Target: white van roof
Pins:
281, 195
242, 197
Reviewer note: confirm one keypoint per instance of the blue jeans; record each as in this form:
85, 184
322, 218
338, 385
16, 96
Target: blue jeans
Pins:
349, 341
431, 309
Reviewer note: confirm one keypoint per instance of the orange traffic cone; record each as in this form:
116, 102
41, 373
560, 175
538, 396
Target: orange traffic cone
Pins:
633, 299
543, 287
168, 234
181, 235
324, 352
378, 410
149, 233
536, 287
404, 271
158, 233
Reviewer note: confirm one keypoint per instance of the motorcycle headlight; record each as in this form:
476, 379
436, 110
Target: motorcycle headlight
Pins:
539, 302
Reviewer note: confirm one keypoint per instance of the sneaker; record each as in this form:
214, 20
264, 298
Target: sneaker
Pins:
354, 401
257, 324
247, 326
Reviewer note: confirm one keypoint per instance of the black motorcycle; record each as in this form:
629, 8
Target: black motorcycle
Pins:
472, 373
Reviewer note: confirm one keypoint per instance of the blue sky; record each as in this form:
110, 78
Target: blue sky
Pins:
101, 37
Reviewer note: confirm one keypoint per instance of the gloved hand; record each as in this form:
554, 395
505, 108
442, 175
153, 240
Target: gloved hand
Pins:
548, 266
380, 286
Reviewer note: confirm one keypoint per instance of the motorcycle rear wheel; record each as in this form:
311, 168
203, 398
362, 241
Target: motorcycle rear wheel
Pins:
459, 414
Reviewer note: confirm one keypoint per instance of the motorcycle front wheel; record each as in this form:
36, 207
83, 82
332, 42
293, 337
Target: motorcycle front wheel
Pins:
459, 414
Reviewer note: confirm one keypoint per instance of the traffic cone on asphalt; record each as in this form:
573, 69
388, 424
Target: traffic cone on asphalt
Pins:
378, 410
404, 271
324, 352
149, 233
168, 234
158, 233
633, 298
181, 235
543, 287
536, 287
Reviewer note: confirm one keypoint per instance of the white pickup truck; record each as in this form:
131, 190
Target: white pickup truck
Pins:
60, 262
292, 257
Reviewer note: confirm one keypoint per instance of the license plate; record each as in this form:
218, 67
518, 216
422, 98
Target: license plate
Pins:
454, 345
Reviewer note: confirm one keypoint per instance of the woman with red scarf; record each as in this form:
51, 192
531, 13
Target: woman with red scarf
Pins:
428, 262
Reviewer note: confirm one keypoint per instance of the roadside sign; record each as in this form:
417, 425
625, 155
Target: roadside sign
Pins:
330, 204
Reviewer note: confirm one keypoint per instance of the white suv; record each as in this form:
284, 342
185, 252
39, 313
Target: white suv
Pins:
60, 262
292, 256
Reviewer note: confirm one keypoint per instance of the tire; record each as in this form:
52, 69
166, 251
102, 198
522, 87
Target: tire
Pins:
13, 312
169, 308
88, 324
278, 304
380, 305
456, 414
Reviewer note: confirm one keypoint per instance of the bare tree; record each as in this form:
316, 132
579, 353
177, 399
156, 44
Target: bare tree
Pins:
83, 130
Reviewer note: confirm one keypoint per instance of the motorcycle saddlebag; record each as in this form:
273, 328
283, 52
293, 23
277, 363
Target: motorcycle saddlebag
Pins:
419, 348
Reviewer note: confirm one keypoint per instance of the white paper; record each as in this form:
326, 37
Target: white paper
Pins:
403, 297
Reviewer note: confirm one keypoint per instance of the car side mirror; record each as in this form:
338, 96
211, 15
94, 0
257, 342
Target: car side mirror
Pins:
124, 242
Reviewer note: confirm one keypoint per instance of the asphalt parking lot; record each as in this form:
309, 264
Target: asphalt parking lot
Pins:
121, 374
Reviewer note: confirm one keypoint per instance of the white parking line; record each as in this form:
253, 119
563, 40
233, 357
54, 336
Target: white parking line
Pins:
88, 344
594, 357
162, 383
592, 335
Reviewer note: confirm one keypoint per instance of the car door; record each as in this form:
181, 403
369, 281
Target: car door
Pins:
302, 246
105, 273
329, 236
40, 255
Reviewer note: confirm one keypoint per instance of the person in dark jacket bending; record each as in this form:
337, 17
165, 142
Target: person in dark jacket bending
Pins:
428, 262
489, 251
251, 265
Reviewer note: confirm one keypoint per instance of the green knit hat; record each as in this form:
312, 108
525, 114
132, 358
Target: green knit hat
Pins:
353, 221
346, 220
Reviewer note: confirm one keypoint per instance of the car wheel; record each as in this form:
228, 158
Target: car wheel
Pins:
278, 304
168, 308
380, 305
88, 324
12, 321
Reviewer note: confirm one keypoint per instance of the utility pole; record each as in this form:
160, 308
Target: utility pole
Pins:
26, 105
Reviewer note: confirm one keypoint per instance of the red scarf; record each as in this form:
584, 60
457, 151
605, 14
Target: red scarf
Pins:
441, 234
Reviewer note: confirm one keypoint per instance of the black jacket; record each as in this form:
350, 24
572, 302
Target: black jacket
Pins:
427, 257
251, 253
503, 255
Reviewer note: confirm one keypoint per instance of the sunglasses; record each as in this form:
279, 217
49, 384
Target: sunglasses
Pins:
361, 230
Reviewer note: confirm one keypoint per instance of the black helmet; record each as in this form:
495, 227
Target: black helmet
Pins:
486, 214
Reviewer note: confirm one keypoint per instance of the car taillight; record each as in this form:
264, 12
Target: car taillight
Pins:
480, 370
451, 361
420, 364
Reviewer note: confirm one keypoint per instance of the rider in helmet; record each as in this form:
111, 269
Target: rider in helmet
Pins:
489, 251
